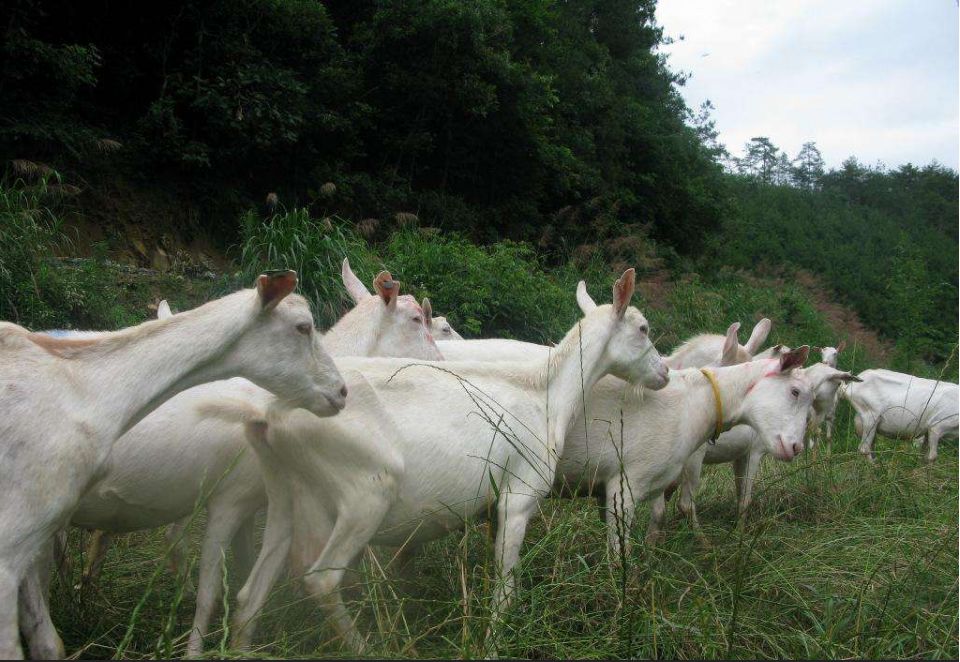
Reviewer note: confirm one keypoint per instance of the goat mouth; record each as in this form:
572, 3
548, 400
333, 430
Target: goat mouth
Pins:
336, 403
786, 454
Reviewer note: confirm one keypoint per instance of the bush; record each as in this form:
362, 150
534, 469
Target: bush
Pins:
499, 290
314, 248
30, 230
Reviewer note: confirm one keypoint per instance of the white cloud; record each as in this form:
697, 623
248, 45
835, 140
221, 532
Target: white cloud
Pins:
877, 80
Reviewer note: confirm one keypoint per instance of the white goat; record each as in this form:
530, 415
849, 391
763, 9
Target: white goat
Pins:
825, 403
902, 406
383, 477
65, 402
590, 457
706, 349
744, 447
174, 459
699, 351
439, 326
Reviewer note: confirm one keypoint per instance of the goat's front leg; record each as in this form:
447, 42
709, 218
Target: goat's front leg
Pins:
746, 469
933, 439
222, 524
513, 514
273, 554
35, 622
869, 427
690, 485
9, 630
658, 514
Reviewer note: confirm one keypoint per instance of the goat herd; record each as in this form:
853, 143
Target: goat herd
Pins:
128, 430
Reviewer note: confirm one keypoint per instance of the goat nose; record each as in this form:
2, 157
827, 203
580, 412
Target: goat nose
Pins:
343, 391
797, 447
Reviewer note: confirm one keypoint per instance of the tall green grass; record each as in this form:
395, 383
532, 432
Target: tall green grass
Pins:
314, 248
29, 229
839, 558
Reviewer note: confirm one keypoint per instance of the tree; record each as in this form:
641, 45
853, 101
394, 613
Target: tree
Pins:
760, 159
808, 166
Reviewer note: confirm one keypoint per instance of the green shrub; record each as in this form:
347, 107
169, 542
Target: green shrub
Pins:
314, 248
499, 290
30, 230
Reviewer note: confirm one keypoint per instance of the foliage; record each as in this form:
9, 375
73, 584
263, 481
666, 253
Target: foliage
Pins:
488, 118
30, 229
314, 248
885, 241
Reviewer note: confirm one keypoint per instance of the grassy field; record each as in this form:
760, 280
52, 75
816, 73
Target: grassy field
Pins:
838, 559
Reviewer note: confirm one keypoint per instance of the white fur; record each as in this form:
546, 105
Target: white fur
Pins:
902, 406
705, 349
825, 403
744, 448
175, 459
65, 402
422, 447
439, 326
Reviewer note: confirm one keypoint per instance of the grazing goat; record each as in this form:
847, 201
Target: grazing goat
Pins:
65, 402
744, 448
358, 292
902, 406
384, 477
174, 459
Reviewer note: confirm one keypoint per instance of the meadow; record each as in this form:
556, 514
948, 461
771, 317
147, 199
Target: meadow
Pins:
838, 558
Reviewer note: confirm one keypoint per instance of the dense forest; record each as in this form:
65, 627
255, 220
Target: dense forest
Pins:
556, 124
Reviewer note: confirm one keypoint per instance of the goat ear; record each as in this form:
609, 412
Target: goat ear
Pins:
757, 337
841, 345
274, 286
623, 292
163, 310
387, 288
584, 300
844, 377
795, 358
427, 311
355, 288
731, 346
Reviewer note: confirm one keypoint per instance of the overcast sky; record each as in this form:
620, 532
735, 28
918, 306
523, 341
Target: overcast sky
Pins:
876, 79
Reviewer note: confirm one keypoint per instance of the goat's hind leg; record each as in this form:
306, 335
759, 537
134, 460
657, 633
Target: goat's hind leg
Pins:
97, 548
349, 536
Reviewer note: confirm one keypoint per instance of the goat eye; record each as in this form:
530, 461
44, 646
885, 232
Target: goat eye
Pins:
644, 329
305, 328
795, 392
446, 329
417, 320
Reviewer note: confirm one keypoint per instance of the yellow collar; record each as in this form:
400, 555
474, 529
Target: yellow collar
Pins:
712, 378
